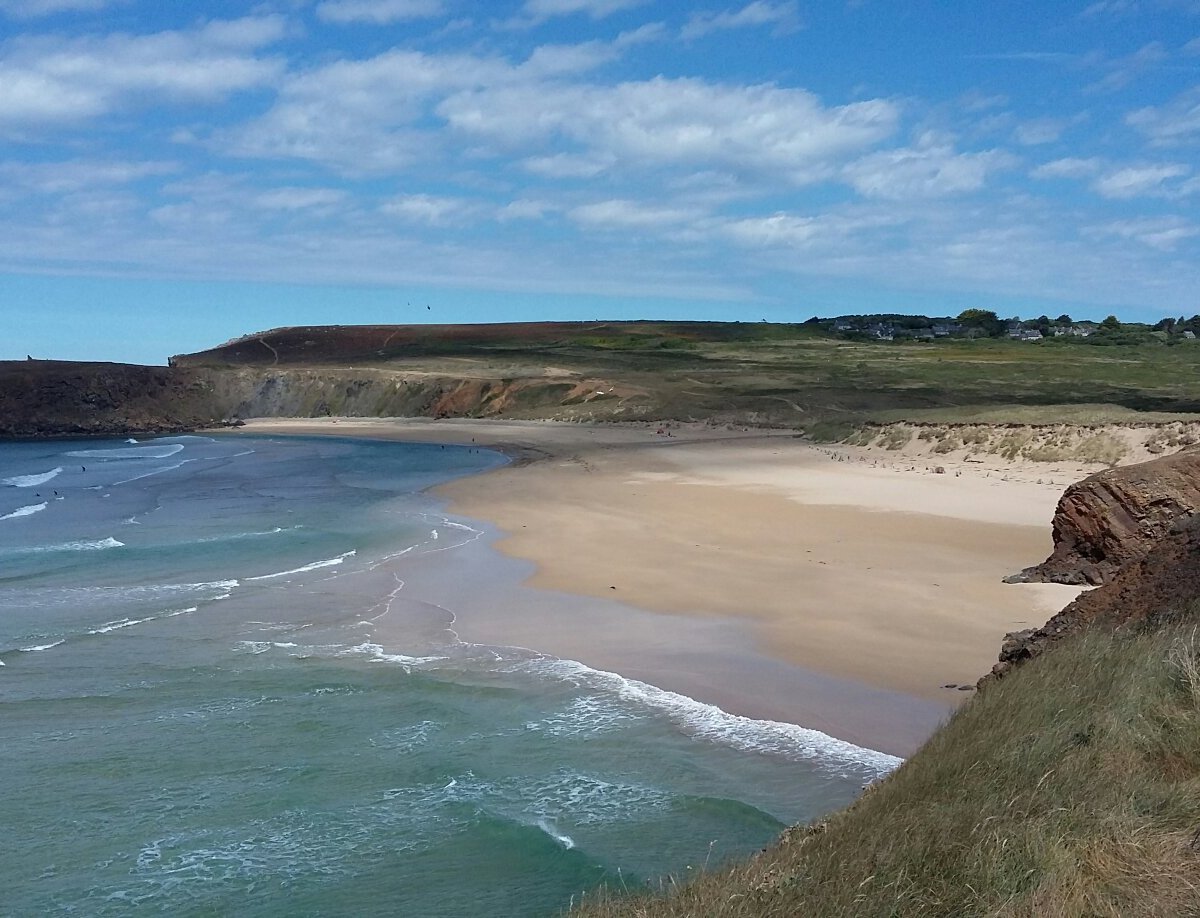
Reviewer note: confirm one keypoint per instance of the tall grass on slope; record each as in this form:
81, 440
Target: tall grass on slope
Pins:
1070, 788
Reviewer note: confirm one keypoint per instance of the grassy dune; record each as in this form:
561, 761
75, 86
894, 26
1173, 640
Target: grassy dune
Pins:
1070, 788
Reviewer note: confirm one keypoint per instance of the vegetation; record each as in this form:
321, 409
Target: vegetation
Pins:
755, 373
1071, 787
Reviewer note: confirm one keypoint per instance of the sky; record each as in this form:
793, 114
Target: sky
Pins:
173, 175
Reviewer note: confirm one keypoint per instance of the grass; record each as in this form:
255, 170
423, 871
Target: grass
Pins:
788, 375
1069, 788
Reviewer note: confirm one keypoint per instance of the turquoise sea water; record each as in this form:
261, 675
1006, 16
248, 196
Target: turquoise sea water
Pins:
196, 717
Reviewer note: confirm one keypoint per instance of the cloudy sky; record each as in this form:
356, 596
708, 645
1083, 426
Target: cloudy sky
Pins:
175, 174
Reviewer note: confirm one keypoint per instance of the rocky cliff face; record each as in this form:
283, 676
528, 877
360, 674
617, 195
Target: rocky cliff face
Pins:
1116, 516
53, 398
1161, 585
1135, 532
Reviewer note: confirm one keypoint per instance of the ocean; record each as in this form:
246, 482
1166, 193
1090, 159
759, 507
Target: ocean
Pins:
197, 716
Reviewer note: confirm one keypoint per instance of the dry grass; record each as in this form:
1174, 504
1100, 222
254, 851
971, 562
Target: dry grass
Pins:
1070, 788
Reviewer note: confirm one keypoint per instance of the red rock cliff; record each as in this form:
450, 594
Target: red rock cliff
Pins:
1116, 516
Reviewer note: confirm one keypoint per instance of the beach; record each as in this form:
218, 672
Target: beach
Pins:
849, 590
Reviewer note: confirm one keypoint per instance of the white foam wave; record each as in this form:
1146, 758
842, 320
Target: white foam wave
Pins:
547, 826
316, 565
29, 481
708, 722
28, 510
587, 715
377, 654
81, 545
130, 452
40, 647
120, 623
252, 647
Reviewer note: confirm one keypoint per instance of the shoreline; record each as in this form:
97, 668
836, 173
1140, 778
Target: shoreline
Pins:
781, 580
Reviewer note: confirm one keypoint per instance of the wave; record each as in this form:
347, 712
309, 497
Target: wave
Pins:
120, 623
29, 481
377, 655
40, 647
130, 452
81, 545
548, 826
29, 510
708, 722
238, 536
316, 565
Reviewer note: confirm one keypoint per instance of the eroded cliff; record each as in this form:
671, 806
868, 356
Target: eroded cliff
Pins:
1116, 516
1135, 532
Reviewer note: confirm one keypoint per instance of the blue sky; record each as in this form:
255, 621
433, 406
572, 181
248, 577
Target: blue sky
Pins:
176, 174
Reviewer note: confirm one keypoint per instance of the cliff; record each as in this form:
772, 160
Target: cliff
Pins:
40, 398
56, 398
1133, 531
1116, 516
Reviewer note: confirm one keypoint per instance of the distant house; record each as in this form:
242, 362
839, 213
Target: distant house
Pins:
945, 329
843, 325
1029, 334
1189, 336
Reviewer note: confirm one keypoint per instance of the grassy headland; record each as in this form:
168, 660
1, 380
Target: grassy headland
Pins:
747, 373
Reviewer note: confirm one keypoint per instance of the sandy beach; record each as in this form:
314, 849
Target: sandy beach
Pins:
781, 576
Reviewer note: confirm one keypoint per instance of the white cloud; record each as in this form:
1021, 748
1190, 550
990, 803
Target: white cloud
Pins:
1139, 181
779, 229
525, 209
32, 9
378, 12
782, 16
69, 176
624, 214
428, 209
541, 10
568, 165
1110, 8
1162, 233
1175, 122
784, 132
1070, 167
49, 80
299, 199
359, 115
1124, 70
931, 169
1040, 131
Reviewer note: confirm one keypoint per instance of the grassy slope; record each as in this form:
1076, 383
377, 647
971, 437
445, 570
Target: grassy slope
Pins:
1070, 788
763, 373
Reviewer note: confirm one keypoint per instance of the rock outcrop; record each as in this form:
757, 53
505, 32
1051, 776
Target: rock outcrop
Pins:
1116, 516
1134, 532
1161, 585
